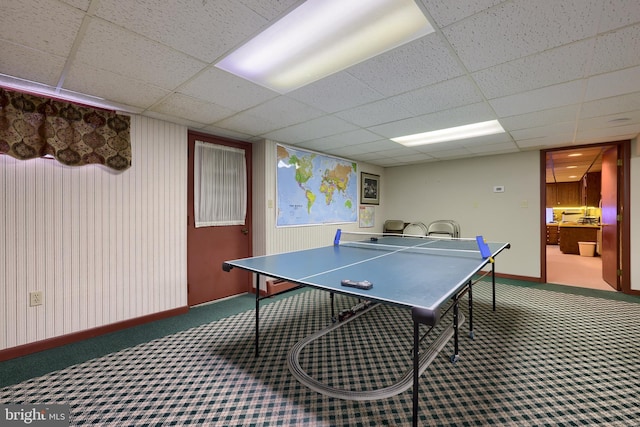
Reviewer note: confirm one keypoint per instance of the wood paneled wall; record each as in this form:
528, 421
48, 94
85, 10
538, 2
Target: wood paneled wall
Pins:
103, 247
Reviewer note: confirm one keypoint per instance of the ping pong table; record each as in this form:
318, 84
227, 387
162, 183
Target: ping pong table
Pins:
428, 275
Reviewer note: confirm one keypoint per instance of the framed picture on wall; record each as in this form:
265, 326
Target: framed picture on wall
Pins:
369, 189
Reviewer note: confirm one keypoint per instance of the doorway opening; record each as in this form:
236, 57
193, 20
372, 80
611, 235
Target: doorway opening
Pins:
581, 206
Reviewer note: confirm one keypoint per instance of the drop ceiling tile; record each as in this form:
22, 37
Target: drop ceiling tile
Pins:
551, 67
270, 9
351, 138
543, 131
383, 145
420, 63
467, 114
613, 84
609, 121
52, 26
499, 148
312, 129
365, 157
338, 92
226, 133
520, 28
440, 96
220, 87
547, 141
456, 153
616, 133
448, 12
173, 119
111, 48
617, 50
78, 4
618, 13
192, 27
30, 64
277, 113
351, 150
539, 99
413, 158
105, 84
398, 151
615, 105
540, 118
399, 128
192, 109
383, 111
245, 122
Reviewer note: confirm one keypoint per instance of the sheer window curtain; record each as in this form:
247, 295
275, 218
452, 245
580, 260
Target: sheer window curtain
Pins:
219, 185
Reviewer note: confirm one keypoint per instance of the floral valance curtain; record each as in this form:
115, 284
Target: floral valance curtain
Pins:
31, 127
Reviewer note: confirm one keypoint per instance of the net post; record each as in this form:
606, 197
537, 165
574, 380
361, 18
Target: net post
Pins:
484, 248
336, 239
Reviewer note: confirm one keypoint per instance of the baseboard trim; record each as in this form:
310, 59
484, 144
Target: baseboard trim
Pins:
47, 344
523, 278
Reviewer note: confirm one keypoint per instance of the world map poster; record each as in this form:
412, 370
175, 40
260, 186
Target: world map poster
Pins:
313, 188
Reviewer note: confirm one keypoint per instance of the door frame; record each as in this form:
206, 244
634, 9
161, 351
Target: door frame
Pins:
248, 148
624, 204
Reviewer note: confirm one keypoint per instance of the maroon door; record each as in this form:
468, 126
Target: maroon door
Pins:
610, 234
209, 247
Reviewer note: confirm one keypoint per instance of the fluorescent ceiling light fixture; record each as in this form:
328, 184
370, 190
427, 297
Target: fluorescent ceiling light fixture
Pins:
451, 134
322, 37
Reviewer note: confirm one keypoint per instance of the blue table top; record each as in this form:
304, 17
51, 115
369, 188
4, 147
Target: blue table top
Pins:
405, 271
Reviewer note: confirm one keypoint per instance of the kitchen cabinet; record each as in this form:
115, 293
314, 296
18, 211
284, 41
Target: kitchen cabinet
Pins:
552, 234
564, 194
569, 235
590, 189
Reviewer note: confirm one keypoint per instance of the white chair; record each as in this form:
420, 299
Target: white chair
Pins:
415, 229
444, 227
393, 226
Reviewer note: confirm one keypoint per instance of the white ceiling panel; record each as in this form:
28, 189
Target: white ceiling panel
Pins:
192, 27
311, 129
46, 25
613, 84
539, 99
551, 67
541, 118
115, 87
420, 63
447, 12
440, 96
614, 105
520, 28
222, 88
109, 47
18, 60
543, 131
336, 93
192, 109
616, 50
369, 115
554, 73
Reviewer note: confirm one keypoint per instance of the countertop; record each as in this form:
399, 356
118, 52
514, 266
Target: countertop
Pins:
575, 224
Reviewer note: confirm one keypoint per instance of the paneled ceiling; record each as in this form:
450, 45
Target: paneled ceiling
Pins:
572, 165
554, 73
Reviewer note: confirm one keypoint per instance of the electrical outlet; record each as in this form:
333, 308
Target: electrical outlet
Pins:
35, 298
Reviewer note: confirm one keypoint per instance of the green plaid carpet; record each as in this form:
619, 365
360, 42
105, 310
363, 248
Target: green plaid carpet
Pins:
543, 358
